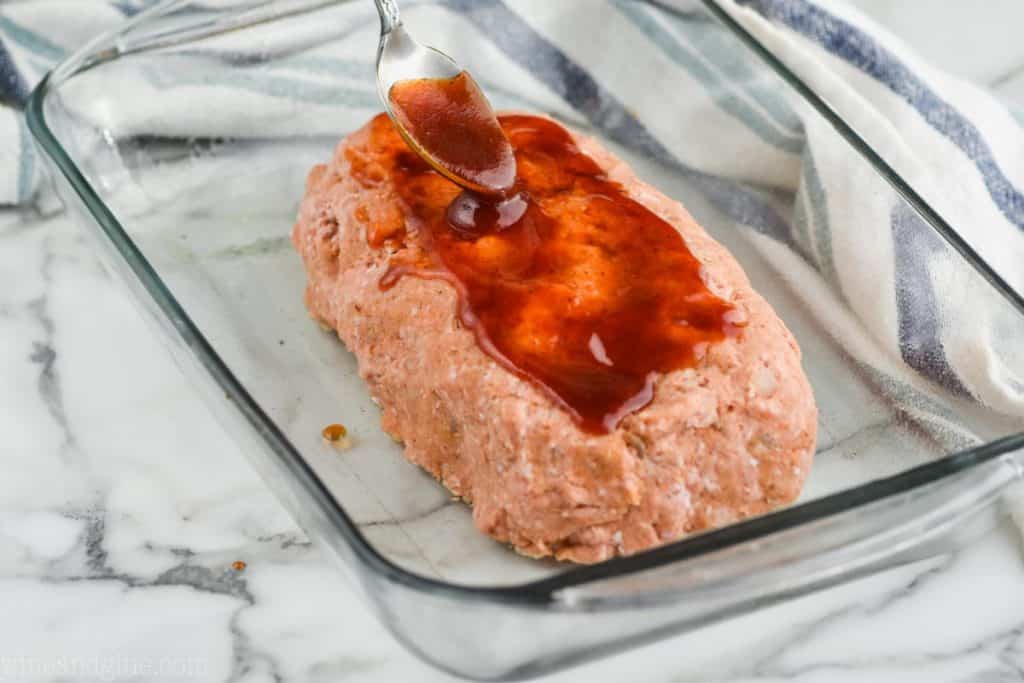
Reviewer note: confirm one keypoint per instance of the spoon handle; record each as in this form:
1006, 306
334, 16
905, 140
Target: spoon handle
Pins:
389, 16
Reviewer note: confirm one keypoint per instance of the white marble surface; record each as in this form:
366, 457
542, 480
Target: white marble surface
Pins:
123, 506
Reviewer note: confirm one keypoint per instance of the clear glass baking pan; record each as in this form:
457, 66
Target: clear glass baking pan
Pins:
182, 142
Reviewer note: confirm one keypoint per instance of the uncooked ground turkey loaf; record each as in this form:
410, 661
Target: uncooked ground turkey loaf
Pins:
731, 437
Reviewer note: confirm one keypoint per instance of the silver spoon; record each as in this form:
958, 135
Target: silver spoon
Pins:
411, 75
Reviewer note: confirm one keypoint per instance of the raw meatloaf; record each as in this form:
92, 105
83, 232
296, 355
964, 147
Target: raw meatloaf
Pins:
731, 437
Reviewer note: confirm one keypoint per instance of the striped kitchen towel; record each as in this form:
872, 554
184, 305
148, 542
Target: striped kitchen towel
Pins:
884, 284
34, 36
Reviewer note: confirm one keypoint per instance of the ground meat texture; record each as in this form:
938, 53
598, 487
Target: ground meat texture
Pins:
731, 437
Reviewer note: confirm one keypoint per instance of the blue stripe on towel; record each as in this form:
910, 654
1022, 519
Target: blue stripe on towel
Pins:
915, 245
30, 40
130, 8
937, 419
718, 45
12, 86
802, 224
723, 92
858, 49
517, 39
821, 223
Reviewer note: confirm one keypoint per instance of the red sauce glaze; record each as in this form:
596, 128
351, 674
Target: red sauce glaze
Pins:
568, 283
451, 120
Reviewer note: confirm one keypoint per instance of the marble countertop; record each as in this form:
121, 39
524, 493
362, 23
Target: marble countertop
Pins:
126, 514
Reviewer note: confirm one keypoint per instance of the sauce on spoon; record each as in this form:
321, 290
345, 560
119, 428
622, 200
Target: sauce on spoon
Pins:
450, 121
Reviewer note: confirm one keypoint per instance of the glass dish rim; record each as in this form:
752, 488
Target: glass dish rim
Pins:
542, 592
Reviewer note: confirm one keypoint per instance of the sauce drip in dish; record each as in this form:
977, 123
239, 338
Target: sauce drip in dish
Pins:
451, 120
566, 281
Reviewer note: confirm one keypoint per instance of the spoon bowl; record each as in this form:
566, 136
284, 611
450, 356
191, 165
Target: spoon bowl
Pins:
440, 111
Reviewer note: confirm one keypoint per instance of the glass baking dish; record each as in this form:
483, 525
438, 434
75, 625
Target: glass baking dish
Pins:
182, 141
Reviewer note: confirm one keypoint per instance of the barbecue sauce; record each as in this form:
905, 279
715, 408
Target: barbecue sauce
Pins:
566, 281
452, 121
